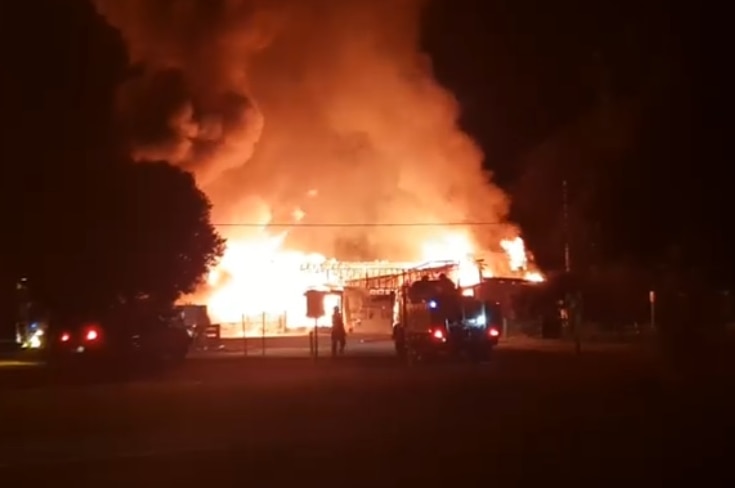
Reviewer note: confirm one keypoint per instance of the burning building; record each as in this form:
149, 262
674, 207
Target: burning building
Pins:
264, 288
319, 133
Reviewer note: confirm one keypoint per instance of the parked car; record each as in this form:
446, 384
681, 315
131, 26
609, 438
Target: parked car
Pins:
126, 334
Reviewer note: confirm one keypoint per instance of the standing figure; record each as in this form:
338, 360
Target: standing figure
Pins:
339, 334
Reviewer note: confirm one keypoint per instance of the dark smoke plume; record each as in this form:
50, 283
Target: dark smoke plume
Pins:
325, 107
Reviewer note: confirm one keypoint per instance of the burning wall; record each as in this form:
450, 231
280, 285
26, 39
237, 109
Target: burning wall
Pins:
310, 111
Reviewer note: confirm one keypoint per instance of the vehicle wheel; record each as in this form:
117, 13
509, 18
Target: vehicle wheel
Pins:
479, 356
170, 359
400, 350
412, 356
432, 359
400, 342
179, 356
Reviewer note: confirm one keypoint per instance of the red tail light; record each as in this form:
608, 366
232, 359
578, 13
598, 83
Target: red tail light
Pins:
493, 332
91, 333
65, 337
439, 333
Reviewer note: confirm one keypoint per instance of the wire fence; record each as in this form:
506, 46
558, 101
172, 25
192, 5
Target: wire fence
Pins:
360, 224
255, 325
264, 335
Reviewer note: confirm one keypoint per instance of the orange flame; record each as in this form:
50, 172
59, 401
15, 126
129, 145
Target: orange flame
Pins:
259, 286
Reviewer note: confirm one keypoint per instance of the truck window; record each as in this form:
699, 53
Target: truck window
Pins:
494, 313
472, 308
426, 289
445, 309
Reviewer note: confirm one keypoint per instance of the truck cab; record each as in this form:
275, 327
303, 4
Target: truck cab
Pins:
433, 320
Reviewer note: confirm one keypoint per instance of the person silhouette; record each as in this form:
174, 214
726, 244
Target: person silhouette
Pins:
339, 334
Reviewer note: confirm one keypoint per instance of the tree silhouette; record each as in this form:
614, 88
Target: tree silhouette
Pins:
85, 226
174, 243
138, 232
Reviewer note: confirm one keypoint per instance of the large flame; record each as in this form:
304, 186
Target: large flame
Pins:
518, 258
264, 101
258, 287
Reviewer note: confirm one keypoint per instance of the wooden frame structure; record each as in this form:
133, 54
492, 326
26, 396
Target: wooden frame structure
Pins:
386, 283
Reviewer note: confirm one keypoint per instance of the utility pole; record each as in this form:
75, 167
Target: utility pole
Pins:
570, 298
565, 210
652, 303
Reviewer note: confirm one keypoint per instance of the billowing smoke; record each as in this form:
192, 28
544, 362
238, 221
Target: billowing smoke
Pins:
326, 107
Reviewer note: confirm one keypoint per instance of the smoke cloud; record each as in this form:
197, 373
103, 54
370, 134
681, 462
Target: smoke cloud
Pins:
324, 110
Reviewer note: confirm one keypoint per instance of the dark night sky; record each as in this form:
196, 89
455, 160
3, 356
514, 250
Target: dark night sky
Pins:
523, 68
532, 76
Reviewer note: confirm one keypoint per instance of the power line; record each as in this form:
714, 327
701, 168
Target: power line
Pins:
366, 225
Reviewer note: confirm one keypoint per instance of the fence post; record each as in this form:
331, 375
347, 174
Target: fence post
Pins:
244, 336
577, 322
316, 338
262, 334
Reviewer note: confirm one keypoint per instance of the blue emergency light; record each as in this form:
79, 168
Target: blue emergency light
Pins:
432, 304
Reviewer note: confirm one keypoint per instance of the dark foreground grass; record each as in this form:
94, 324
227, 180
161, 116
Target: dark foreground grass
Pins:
528, 417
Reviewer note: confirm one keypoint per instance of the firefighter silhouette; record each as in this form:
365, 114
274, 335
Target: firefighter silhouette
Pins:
339, 334
446, 285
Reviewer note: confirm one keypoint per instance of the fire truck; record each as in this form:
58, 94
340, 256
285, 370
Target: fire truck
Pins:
434, 319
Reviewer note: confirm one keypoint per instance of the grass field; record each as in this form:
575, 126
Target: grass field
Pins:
534, 414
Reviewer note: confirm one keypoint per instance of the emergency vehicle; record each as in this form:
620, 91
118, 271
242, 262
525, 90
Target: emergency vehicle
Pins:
433, 318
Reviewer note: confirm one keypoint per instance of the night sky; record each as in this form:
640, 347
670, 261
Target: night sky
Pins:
612, 96
536, 77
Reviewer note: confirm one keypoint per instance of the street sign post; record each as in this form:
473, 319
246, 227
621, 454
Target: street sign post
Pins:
315, 310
